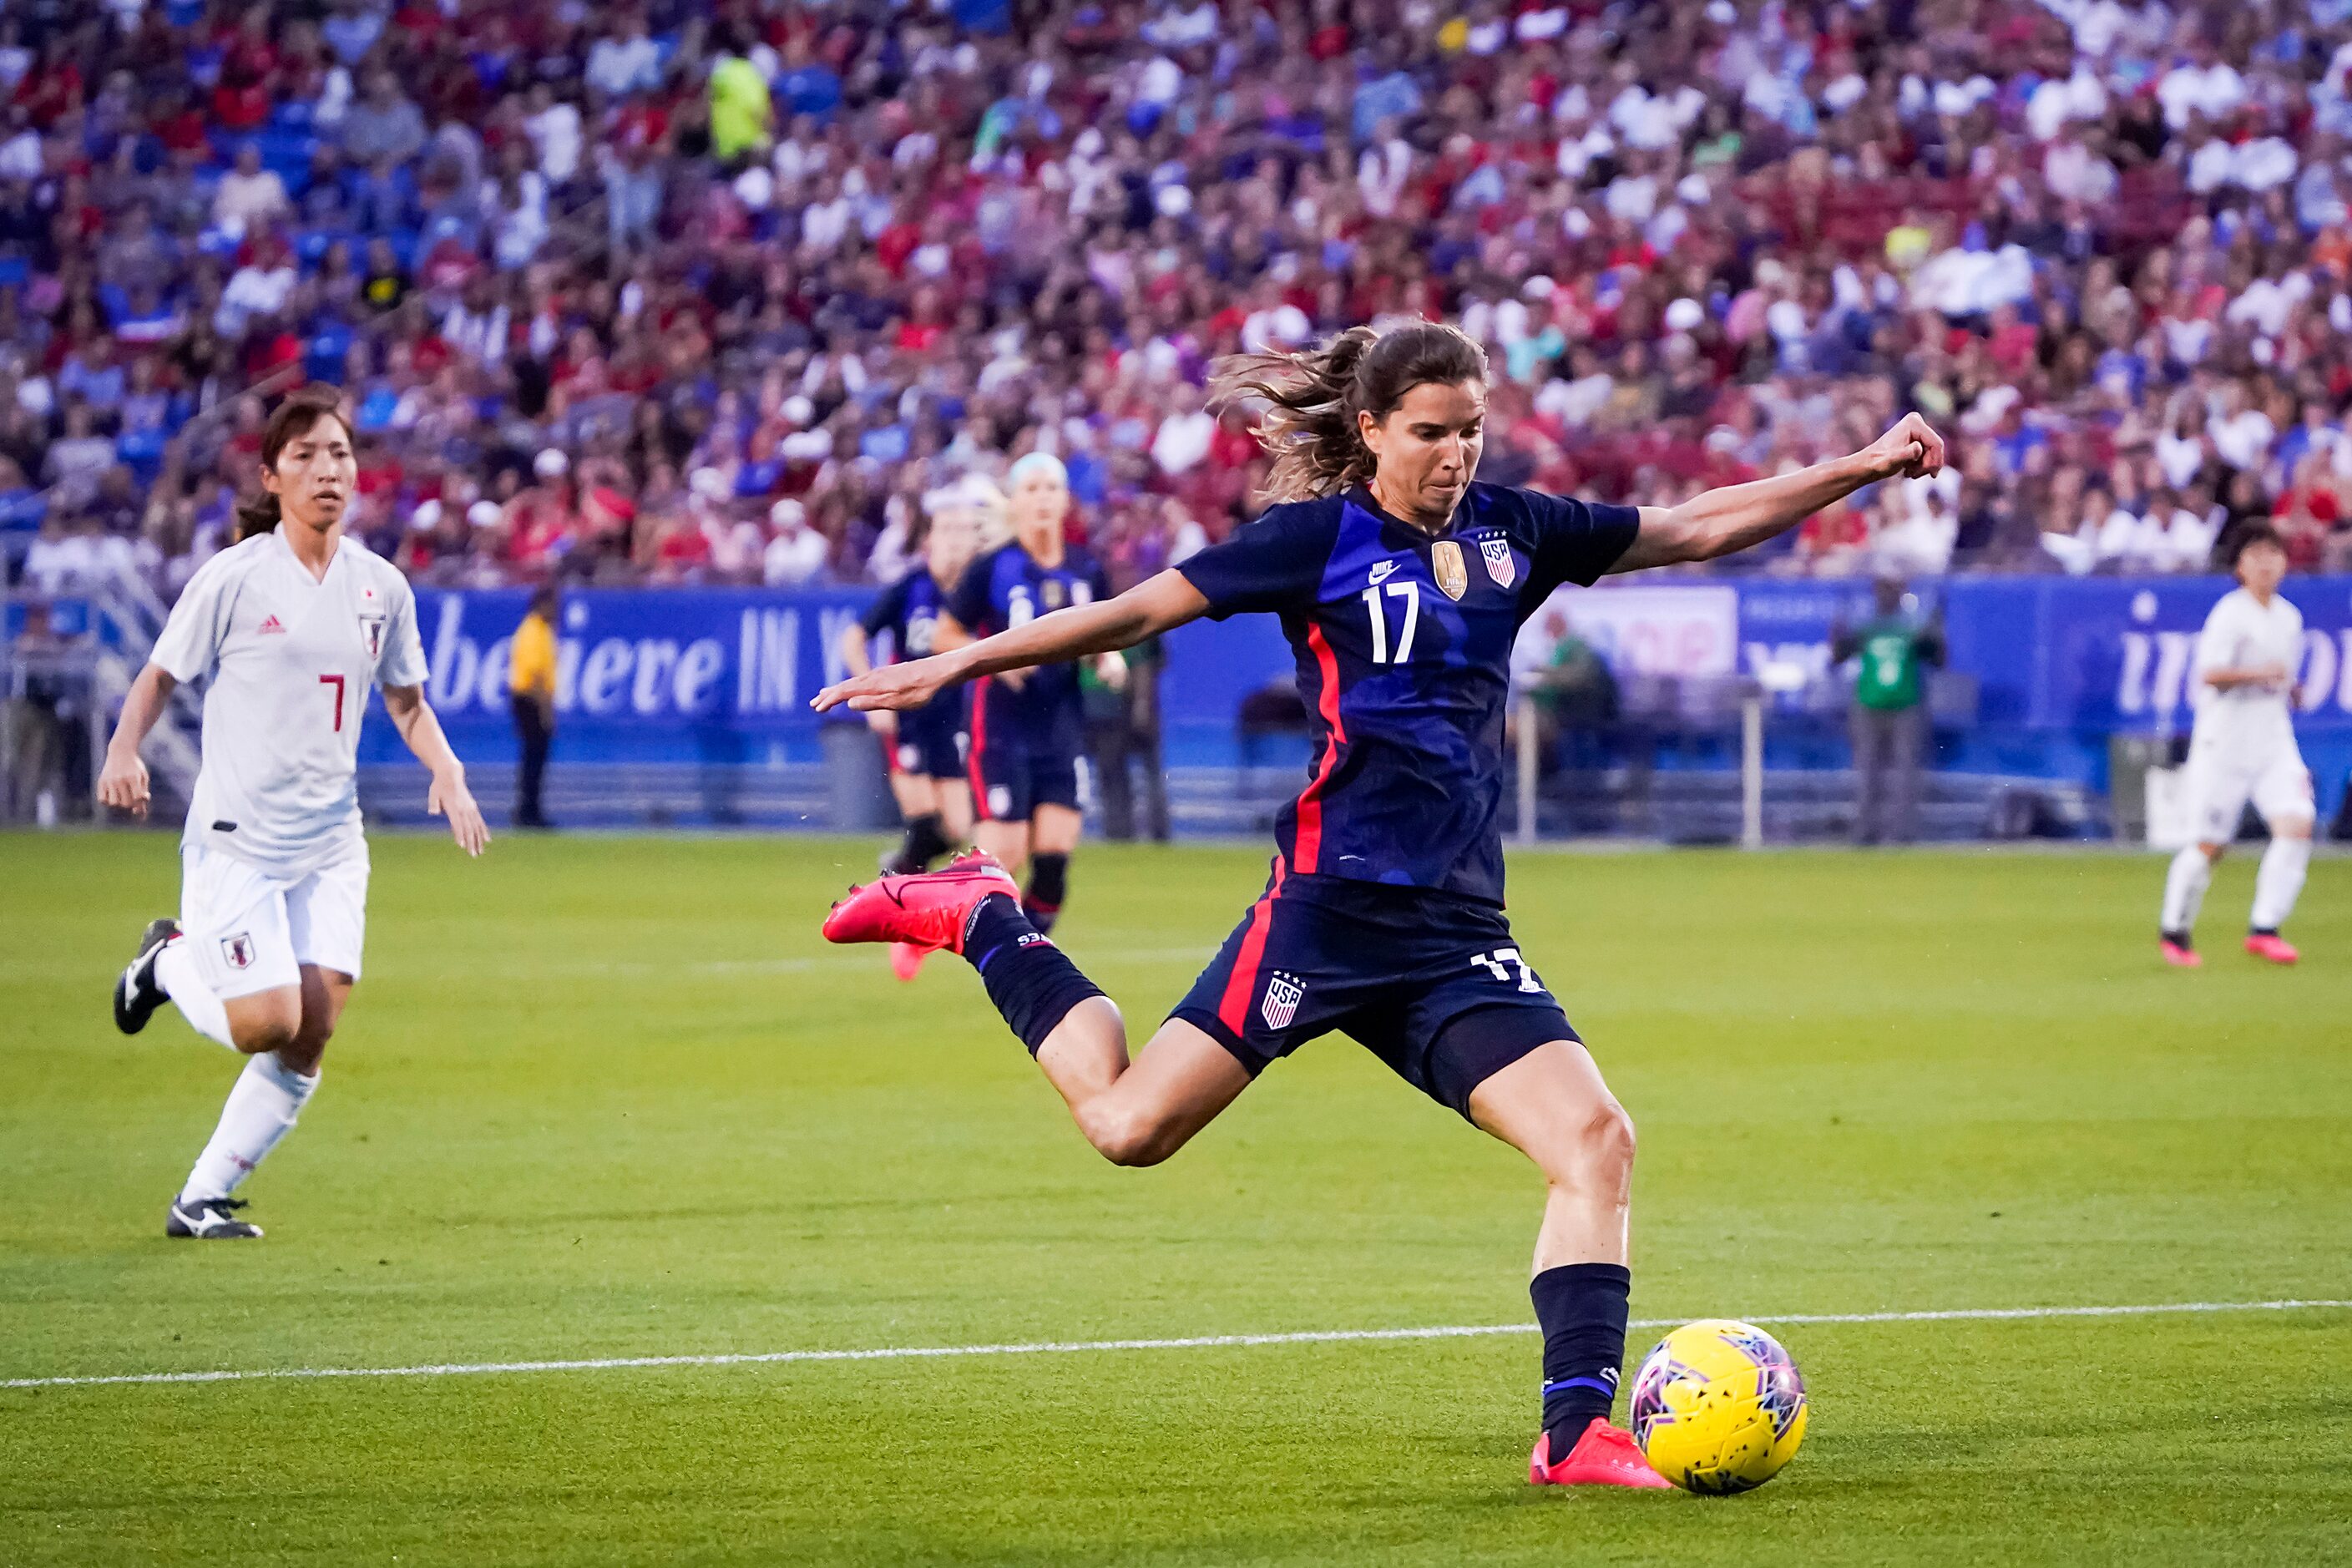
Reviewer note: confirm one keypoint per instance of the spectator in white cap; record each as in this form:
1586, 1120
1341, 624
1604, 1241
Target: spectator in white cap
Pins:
796, 553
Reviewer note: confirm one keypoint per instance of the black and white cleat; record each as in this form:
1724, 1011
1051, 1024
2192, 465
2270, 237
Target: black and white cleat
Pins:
136, 994
208, 1219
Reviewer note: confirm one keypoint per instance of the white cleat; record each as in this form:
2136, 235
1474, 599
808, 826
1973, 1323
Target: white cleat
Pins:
208, 1219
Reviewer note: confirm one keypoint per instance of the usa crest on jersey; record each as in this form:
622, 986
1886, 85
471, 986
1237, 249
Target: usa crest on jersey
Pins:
1499, 564
1282, 994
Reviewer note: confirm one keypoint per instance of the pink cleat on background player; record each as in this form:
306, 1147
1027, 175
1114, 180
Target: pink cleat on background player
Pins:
2269, 944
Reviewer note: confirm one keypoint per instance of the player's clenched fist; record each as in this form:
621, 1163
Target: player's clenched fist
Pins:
1911, 450
122, 784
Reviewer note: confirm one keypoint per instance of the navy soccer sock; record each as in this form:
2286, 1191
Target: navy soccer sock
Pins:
926, 842
1032, 982
1049, 884
1581, 1308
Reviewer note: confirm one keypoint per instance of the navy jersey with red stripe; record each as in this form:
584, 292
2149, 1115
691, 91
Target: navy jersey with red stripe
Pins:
1007, 588
908, 614
1403, 642
909, 610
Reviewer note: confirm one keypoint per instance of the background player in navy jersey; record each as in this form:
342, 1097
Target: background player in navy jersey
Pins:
925, 746
1027, 757
1401, 585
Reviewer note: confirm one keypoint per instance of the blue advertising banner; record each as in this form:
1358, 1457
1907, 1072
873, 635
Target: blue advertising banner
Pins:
2085, 655
726, 674
641, 676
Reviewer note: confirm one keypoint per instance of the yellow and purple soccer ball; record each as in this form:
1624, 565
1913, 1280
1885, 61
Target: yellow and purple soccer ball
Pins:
1719, 1407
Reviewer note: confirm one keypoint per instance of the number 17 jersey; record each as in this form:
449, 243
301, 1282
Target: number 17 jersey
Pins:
290, 659
1403, 640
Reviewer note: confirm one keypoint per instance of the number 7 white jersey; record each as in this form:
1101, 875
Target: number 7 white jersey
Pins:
291, 659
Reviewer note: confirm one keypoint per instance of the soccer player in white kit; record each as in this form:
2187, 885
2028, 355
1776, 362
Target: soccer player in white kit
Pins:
2243, 747
291, 625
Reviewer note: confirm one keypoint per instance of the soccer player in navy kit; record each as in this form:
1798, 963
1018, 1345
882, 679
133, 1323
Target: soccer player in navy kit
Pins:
1027, 757
1402, 584
924, 747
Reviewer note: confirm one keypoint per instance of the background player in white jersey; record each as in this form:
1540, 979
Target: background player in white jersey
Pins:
291, 625
2243, 747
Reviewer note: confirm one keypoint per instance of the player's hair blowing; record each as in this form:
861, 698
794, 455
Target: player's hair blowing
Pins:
260, 513
1315, 395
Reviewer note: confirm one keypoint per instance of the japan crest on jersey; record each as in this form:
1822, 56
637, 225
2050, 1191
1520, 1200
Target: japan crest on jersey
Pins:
1282, 994
371, 619
239, 949
1499, 564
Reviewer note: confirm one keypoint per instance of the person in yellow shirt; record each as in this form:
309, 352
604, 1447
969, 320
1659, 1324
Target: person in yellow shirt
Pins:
531, 681
741, 112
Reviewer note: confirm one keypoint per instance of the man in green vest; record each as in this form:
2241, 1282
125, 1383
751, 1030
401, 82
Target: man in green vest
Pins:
1889, 722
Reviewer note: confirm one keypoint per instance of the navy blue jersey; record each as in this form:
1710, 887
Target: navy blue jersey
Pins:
1403, 642
1006, 588
909, 610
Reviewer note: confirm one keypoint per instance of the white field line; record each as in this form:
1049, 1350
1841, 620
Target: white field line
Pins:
1200, 1341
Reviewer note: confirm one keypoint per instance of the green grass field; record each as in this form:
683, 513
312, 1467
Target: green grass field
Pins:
611, 1097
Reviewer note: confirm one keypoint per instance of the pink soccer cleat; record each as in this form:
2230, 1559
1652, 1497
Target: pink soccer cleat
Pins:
926, 911
2269, 944
906, 960
1604, 1457
2180, 955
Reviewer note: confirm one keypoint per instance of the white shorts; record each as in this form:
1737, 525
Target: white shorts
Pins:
251, 931
2221, 785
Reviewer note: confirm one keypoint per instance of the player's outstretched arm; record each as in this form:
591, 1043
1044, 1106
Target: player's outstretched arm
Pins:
1736, 517
447, 796
123, 782
1165, 603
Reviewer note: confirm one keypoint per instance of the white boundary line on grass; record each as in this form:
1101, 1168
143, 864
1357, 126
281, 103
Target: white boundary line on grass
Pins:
1200, 1341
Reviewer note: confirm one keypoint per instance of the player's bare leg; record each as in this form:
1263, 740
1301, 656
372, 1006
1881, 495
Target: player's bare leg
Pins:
955, 809
1006, 843
1137, 1113
1052, 837
1553, 1107
283, 1033
926, 837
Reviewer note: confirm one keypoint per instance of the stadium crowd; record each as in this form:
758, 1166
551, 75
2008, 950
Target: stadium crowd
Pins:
680, 292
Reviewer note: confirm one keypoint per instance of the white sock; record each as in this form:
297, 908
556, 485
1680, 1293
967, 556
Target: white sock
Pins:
183, 982
260, 1110
2279, 881
2184, 889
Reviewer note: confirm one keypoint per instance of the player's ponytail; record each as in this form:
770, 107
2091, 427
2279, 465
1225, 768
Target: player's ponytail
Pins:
258, 514
1313, 398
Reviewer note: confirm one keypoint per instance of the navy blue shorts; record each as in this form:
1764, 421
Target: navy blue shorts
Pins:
1432, 985
932, 742
1014, 769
